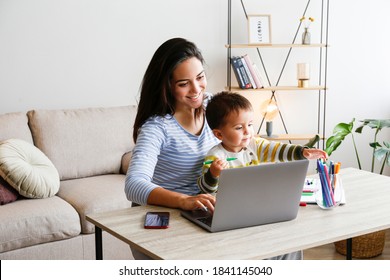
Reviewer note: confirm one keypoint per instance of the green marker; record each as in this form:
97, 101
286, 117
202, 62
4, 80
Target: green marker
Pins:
228, 159
307, 194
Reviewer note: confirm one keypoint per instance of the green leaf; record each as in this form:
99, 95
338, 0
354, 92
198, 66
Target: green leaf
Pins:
373, 123
332, 144
375, 145
359, 129
343, 128
340, 131
383, 152
314, 140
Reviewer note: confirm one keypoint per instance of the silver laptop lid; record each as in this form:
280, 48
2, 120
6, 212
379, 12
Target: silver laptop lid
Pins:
257, 195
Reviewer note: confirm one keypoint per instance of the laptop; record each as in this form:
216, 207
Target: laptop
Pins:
254, 195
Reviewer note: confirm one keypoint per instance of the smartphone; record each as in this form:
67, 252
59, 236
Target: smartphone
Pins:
156, 220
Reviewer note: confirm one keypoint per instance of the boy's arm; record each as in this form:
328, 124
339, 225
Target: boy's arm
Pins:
207, 183
271, 151
212, 167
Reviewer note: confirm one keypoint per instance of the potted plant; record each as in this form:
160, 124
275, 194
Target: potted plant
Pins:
372, 244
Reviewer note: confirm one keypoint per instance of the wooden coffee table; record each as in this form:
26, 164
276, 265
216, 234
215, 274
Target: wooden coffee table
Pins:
367, 210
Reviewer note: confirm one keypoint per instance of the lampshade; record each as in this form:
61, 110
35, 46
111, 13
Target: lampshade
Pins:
269, 109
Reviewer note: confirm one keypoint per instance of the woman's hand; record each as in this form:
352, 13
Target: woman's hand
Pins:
314, 153
200, 201
162, 197
217, 166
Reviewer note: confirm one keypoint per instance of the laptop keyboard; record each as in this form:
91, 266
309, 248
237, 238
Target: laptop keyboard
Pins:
206, 220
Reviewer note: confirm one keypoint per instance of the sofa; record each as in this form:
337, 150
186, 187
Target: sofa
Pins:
76, 161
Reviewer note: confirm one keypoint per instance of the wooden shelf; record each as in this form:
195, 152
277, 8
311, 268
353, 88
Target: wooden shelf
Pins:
315, 86
244, 46
280, 137
278, 88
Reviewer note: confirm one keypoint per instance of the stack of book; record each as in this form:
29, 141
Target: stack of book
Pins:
247, 73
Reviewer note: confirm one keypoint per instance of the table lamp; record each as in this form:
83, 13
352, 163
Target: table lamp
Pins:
269, 110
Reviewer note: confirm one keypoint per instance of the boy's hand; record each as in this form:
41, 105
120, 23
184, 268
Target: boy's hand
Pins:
217, 166
314, 154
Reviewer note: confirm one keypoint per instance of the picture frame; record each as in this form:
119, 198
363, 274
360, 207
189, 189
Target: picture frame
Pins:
259, 29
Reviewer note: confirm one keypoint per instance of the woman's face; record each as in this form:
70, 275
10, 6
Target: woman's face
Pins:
188, 84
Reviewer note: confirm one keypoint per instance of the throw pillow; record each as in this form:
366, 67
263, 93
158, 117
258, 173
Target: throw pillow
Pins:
7, 193
27, 169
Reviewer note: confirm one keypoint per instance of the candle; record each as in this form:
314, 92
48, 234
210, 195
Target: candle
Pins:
303, 71
303, 74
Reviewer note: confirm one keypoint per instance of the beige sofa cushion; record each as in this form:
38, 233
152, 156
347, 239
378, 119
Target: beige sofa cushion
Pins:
94, 195
14, 125
84, 142
28, 222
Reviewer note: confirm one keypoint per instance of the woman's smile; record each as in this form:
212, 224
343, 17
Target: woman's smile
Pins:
195, 97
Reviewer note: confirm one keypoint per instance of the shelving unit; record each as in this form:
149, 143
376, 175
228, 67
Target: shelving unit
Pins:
320, 89
240, 46
279, 88
291, 137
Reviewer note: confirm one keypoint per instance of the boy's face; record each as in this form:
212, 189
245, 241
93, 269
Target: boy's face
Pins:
237, 131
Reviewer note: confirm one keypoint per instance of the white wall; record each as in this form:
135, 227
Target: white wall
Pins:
76, 53
87, 53
359, 61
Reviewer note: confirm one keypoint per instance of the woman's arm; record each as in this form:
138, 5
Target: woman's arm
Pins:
144, 158
139, 186
167, 198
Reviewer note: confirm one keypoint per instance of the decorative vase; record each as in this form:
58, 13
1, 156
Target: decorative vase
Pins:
306, 37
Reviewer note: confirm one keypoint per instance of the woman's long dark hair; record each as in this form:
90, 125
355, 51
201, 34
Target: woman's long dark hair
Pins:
156, 98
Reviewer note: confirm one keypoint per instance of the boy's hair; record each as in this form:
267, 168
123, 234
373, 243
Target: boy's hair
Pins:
222, 104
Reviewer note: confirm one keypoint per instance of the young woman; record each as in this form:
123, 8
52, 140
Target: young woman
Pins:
170, 131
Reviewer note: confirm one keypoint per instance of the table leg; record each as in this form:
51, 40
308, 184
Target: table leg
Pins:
349, 249
98, 243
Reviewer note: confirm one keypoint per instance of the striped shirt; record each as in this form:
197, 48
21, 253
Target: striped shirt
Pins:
259, 150
168, 156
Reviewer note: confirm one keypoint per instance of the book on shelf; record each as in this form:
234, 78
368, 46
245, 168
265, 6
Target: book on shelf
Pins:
237, 72
247, 67
240, 73
246, 72
258, 75
254, 72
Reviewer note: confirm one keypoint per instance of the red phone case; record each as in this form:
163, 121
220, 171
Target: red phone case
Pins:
156, 220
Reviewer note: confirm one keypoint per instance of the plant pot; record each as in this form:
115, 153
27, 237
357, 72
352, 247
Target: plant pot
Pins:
364, 246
